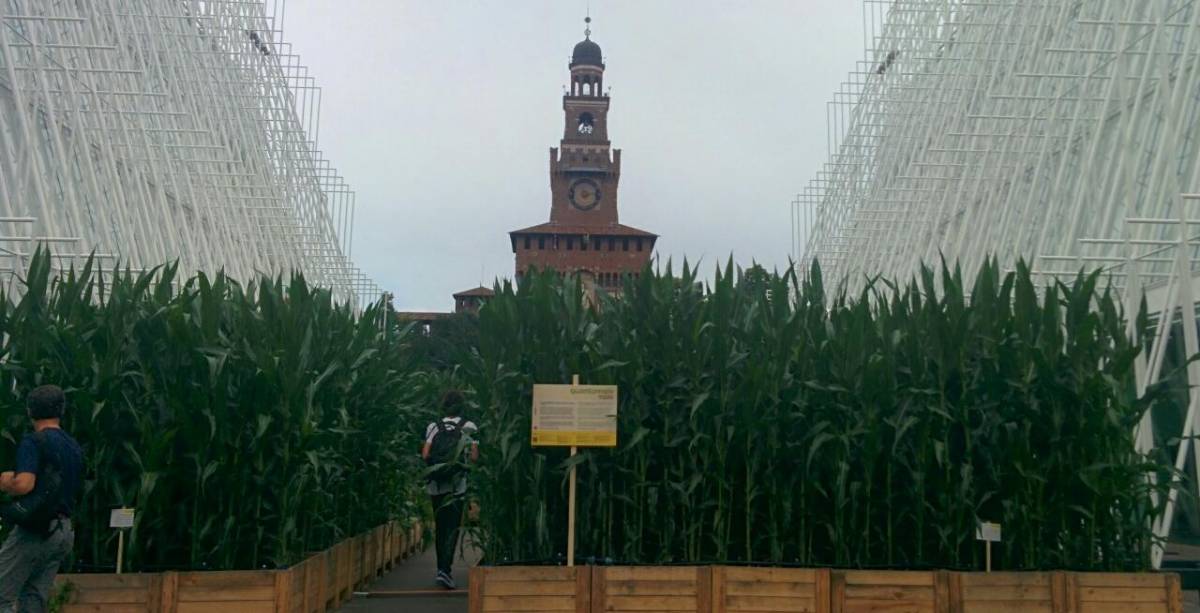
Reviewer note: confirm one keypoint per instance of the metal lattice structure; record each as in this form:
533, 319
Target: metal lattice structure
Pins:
148, 131
1055, 131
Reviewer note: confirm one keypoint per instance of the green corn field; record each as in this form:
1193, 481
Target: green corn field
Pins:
247, 425
762, 420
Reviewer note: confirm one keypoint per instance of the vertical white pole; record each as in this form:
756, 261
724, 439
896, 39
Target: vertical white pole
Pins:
571, 502
120, 550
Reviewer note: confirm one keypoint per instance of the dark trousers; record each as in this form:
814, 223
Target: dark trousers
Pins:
447, 516
28, 564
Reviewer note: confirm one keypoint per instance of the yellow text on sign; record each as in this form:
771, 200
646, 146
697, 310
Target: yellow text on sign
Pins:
574, 415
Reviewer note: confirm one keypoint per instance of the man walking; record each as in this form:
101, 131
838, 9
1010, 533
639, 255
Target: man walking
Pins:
49, 463
446, 441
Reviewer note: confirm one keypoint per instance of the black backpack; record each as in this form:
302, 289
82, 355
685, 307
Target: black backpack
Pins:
38, 509
445, 451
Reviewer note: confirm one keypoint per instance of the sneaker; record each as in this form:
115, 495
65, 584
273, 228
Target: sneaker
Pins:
445, 580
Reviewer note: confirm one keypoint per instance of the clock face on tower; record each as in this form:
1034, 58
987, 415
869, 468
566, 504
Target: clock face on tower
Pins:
584, 194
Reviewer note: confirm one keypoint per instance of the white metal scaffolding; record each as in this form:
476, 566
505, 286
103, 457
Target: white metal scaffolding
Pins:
1013, 128
148, 131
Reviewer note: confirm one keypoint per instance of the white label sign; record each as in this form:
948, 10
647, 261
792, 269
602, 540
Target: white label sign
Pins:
121, 519
987, 531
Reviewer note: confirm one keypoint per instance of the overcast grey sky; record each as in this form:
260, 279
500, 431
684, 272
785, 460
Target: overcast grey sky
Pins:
440, 114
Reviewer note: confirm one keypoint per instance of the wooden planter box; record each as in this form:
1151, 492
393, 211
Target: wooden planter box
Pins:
728, 589
320, 583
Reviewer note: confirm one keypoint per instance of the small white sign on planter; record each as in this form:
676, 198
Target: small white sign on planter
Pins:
121, 519
989, 533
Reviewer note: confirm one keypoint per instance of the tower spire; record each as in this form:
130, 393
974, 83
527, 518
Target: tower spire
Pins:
587, 21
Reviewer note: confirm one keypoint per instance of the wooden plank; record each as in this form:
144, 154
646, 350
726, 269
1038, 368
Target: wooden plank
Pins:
1125, 607
225, 607
227, 578
1009, 592
972, 580
887, 577
626, 587
888, 606
890, 592
1121, 594
528, 603
529, 573
821, 590
104, 608
741, 604
105, 582
651, 573
794, 575
533, 588
1007, 606
770, 588
651, 603
1147, 580
227, 594
127, 595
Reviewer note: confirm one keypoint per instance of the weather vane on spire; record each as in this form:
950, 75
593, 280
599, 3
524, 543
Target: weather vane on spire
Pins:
587, 20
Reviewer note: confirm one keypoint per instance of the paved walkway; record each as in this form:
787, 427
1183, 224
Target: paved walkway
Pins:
415, 576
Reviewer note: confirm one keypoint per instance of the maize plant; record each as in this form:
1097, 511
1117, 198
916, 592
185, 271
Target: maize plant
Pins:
762, 420
248, 425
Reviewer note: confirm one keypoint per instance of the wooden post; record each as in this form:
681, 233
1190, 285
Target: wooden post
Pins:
1064, 592
120, 550
987, 547
704, 595
170, 592
571, 502
716, 597
322, 580
1174, 597
599, 586
837, 591
283, 591
822, 591
475, 589
305, 583
154, 592
583, 590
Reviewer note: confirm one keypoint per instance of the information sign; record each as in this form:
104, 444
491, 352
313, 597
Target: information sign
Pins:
574, 415
121, 519
987, 531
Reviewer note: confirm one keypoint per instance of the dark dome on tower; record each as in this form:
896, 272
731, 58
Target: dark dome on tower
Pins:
587, 53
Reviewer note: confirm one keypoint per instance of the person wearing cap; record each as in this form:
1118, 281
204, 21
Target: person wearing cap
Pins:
30, 557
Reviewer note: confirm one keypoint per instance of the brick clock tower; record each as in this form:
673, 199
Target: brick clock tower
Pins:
583, 235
